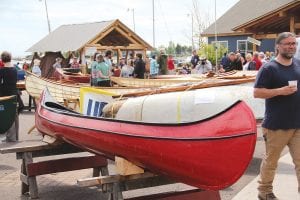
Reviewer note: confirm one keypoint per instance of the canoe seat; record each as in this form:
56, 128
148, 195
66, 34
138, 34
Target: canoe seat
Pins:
72, 103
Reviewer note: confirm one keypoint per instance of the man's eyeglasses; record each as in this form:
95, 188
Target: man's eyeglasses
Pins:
289, 44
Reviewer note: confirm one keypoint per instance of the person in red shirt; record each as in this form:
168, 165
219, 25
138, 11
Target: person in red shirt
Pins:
25, 66
116, 70
257, 60
171, 65
1, 64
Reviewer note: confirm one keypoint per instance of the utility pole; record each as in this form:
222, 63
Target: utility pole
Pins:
193, 32
153, 23
133, 20
192, 36
48, 21
216, 36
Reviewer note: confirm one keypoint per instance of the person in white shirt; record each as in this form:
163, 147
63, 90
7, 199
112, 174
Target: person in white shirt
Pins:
36, 67
262, 58
57, 63
250, 64
203, 66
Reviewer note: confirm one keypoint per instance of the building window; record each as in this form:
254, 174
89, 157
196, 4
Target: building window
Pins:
220, 43
244, 46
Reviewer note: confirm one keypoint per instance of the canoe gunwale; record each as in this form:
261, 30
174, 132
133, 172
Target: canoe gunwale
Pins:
152, 137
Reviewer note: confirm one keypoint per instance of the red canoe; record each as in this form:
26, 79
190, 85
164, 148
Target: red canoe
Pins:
209, 154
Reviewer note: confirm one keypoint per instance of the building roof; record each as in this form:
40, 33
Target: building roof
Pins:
69, 37
245, 11
73, 37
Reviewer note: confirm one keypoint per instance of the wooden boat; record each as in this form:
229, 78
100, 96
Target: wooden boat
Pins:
60, 74
237, 78
8, 109
60, 90
211, 153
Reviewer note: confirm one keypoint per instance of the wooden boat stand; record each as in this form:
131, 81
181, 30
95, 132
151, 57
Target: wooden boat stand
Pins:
31, 102
113, 185
27, 150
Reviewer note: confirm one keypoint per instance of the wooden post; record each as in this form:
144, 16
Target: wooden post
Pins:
119, 56
254, 45
32, 184
292, 24
126, 56
116, 193
24, 186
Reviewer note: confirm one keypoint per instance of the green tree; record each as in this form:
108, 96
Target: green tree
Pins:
209, 51
171, 48
178, 49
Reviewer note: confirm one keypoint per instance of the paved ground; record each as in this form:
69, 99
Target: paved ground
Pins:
285, 183
63, 185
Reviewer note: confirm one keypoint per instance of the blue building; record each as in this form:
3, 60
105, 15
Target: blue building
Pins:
253, 25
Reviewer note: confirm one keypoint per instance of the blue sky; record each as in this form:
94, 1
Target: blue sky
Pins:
24, 22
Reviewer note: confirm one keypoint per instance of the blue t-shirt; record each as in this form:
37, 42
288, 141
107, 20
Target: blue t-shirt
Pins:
282, 112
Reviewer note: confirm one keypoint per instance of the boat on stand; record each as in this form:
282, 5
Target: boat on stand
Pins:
210, 152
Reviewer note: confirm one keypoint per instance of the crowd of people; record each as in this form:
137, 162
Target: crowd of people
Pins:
136, 66
237, 61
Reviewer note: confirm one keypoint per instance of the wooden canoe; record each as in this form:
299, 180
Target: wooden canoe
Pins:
8, 109
221, 79
211, 153
60, 90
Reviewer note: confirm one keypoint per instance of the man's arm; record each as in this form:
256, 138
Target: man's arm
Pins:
265, 93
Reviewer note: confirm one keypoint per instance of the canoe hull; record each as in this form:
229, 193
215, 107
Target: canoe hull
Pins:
209, 155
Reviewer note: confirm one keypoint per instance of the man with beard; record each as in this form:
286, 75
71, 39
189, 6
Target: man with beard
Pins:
276, 82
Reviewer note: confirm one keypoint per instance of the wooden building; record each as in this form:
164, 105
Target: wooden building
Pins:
88, 38
253, 25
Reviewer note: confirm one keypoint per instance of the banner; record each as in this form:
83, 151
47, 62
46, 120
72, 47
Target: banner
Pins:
92, 101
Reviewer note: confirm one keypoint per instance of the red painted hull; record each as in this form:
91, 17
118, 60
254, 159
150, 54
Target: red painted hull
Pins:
209, 154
